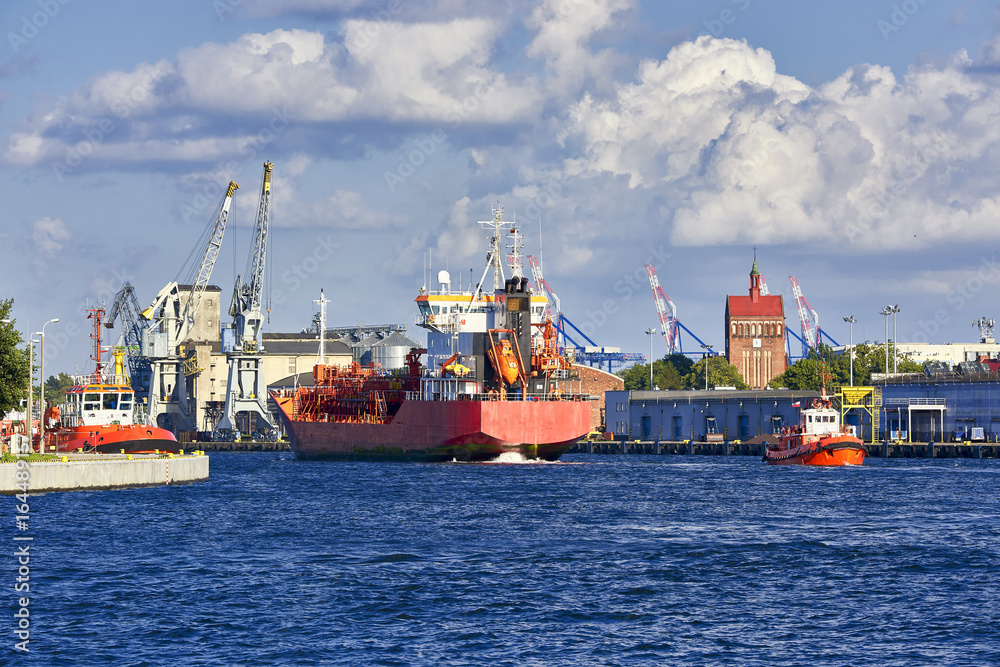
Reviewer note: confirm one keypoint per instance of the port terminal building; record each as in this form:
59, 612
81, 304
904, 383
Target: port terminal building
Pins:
700, 415
940, 407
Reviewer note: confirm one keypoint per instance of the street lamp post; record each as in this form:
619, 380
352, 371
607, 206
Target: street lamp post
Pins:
708, 353
850, 321
650, 332
895, 357
31, 388
41, 423
887, 311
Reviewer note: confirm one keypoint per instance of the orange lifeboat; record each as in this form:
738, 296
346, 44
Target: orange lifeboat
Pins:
506, 361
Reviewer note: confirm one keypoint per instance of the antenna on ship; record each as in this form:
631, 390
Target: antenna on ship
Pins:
493, 259
322, 301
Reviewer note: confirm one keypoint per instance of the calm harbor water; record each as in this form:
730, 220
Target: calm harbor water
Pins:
595, 560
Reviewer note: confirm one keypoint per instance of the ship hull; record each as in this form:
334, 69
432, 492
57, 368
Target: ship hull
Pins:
116, 438
446, 431
835, 451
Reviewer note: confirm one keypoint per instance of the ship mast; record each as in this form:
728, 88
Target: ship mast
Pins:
514, 258
96, 314
322, 301
493, 257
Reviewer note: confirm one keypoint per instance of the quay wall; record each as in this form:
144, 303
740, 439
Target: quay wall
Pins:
244, 446
891, 450
101, 473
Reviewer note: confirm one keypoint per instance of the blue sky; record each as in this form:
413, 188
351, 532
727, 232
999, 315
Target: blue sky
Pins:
853, 144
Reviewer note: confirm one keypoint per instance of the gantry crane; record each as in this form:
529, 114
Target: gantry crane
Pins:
245, 388
171, 319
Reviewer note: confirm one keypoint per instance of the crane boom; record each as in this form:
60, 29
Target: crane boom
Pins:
204, 273
666, 311
552, 306
808, 317
247, 297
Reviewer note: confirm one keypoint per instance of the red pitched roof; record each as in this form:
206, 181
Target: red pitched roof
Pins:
743, 306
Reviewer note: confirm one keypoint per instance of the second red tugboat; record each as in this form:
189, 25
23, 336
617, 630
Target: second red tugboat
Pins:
819, 439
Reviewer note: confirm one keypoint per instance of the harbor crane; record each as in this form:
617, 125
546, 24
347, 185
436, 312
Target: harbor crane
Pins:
666, 310
669, 324
590, 354
808, 317
552, 306
245, 388
812, 334
168, 324
126, 308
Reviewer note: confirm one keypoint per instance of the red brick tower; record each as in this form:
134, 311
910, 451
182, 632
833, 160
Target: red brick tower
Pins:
755, 334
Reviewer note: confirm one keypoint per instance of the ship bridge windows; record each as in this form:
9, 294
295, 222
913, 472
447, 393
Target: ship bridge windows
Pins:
110, 401
425, 309
92, 402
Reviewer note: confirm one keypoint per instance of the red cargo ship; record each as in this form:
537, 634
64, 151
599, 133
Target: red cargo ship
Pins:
818, 440
511, 392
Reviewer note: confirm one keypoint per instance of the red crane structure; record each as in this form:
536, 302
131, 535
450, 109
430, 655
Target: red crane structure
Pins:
808, 317
667, 312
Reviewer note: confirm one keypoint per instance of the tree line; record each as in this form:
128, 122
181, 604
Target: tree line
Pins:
676, 371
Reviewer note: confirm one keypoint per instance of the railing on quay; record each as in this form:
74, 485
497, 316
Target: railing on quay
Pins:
913, 401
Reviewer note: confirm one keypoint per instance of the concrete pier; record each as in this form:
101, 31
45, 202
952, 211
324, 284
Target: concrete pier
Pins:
892, 450
280, 446
103, 471
667, 447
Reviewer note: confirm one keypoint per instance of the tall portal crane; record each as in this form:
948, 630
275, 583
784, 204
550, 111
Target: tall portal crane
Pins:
171, 320
134, 325
670, 325
666, 311
808, 317
245, 389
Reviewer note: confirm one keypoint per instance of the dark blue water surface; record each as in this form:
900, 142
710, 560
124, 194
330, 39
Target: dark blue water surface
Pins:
595, 560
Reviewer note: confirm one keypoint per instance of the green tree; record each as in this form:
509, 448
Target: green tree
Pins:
805, 373
13, 362
681, 362
668, 373
721, 373
55, 388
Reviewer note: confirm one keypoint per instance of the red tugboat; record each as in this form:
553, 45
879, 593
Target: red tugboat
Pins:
818, 440
100, 413
503, 391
